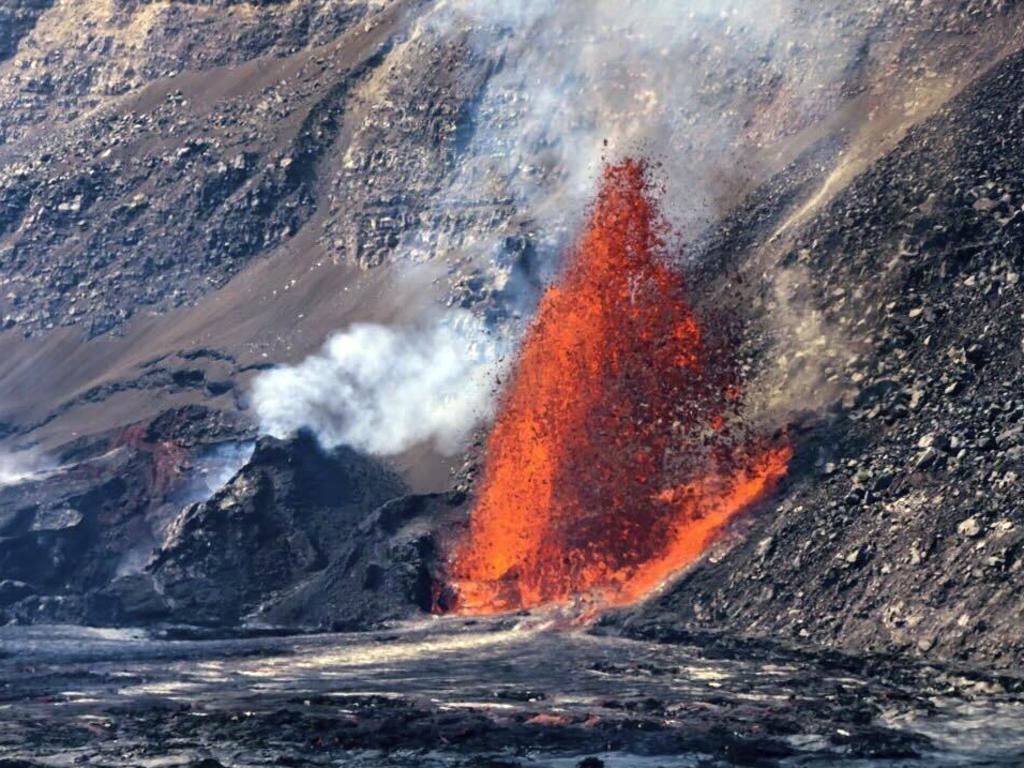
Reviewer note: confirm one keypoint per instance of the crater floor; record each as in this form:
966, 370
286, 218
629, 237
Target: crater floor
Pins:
514, 692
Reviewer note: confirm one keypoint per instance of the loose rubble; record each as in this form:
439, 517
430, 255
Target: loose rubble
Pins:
901, 528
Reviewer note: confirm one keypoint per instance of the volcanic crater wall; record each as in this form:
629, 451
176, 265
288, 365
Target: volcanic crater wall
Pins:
904, 529
227, 183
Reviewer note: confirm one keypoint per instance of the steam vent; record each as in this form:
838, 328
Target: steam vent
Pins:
468, 383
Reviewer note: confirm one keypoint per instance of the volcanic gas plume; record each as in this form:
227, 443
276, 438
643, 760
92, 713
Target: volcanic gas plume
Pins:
611, 464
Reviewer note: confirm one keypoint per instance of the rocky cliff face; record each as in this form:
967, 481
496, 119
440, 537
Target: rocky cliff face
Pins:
902, 526
79, 527
281, 520
289, 536
191, 192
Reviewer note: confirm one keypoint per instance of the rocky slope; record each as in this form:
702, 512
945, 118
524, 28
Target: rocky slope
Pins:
130, 533
901, 527
191, 192
283, 518
390, 567
74, 536
246, 177
144, 180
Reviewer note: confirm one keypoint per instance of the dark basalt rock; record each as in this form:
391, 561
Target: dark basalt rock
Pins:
900, 527
299, 537
74, 536
281, 520
386, 570
69, 536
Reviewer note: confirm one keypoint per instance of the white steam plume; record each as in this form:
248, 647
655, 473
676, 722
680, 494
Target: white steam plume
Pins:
383, 390
17, 466
699, 85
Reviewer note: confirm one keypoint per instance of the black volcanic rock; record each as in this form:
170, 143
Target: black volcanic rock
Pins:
69, 532
299, 536
387, 570
75, 534
901, 526
277, 523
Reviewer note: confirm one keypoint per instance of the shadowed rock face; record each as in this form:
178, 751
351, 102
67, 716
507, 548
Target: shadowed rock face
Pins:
279, 522
93, 513
389, 568
298, 537
17, 18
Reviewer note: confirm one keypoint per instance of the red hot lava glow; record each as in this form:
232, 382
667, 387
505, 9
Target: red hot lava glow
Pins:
581, 498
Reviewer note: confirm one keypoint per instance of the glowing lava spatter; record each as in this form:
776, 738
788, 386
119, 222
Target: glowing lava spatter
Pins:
580, 495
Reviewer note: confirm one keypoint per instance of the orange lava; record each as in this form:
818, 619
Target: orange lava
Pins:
582, 497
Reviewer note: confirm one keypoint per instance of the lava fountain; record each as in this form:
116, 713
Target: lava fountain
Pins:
610, 465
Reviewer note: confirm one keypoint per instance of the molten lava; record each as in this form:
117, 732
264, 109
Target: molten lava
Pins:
585, 494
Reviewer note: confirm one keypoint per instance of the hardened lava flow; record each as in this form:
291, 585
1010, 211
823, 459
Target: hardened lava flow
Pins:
611, 465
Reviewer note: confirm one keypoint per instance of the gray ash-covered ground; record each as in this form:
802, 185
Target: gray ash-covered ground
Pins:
500, 693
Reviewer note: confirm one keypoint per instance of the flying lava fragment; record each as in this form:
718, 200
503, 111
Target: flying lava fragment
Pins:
588, 491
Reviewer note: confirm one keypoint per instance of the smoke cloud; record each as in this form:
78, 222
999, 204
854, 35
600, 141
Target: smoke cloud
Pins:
383, 390
698, 86
17, 466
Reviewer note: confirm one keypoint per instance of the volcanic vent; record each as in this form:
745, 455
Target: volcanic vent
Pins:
615, 456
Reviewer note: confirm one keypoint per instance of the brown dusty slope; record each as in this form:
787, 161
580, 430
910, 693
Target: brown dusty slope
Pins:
294, 239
